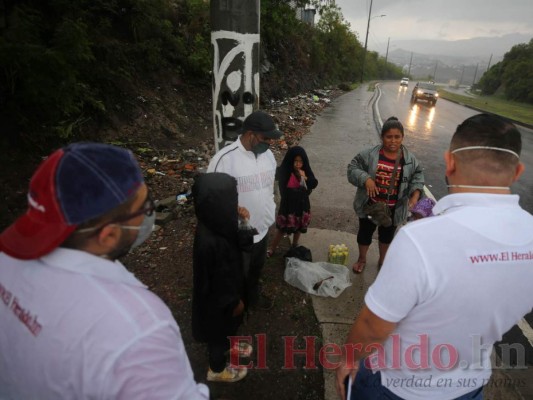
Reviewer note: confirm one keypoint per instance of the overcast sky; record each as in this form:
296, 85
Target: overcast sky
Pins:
436, 19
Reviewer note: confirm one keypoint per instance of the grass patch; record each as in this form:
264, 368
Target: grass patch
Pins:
348, 86
521, 112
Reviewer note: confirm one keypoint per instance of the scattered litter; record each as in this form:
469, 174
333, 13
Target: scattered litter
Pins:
319, 283
183, 197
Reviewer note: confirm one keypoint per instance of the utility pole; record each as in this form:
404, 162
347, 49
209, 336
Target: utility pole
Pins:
366, 39
435, 71
410, 61
462, 73
386, 57
475, 74
235, 82
490, 59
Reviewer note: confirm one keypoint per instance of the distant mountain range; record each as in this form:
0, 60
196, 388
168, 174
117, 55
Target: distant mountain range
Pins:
460, 60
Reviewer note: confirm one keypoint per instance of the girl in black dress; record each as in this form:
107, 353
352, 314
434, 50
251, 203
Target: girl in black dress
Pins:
296, 181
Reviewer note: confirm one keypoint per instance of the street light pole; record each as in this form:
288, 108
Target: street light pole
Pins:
366, 38
386, 57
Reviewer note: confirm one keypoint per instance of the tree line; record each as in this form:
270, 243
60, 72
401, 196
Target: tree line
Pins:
65, 62
513, 76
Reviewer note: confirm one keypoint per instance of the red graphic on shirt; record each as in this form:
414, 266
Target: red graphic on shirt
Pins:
23, 315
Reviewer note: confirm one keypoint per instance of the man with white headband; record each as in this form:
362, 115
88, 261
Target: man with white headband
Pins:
432, 316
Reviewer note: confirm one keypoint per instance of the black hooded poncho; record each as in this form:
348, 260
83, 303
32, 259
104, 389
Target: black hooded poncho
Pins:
218, 282
294, 212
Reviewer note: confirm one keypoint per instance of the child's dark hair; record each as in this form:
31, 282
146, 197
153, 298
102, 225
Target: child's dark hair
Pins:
391, 123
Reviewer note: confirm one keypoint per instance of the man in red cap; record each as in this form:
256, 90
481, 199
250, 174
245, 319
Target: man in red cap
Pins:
75, 323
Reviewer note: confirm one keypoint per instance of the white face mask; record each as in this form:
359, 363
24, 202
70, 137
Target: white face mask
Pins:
145, 229
482, 148
485, 148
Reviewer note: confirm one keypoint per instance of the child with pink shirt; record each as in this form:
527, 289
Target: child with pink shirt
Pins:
296, 182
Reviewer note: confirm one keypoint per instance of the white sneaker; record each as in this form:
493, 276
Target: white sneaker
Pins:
228, 375
242, 349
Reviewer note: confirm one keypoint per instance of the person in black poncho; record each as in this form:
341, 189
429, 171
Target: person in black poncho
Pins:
218, 279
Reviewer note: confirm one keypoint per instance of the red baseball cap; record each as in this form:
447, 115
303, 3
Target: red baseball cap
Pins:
73, 185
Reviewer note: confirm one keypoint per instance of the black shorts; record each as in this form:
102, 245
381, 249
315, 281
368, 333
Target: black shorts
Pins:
367, 228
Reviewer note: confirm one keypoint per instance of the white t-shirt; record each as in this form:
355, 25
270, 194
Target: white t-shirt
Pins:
255, 182
443, 282
77, 326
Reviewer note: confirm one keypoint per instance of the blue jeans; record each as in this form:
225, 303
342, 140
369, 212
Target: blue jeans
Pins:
367, 386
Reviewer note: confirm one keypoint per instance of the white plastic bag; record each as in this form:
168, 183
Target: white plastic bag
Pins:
318, 278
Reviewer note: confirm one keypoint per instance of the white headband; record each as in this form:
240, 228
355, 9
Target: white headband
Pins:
486, 148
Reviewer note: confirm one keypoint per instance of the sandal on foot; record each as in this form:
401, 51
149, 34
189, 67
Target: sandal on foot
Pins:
359, 266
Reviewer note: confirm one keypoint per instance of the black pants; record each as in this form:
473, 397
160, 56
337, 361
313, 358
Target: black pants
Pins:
253, 263
219, 347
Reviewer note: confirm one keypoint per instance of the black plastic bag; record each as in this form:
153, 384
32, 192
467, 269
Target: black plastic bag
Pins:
301, 252
246, 235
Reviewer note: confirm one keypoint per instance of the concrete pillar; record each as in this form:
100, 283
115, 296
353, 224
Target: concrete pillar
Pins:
235, 41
